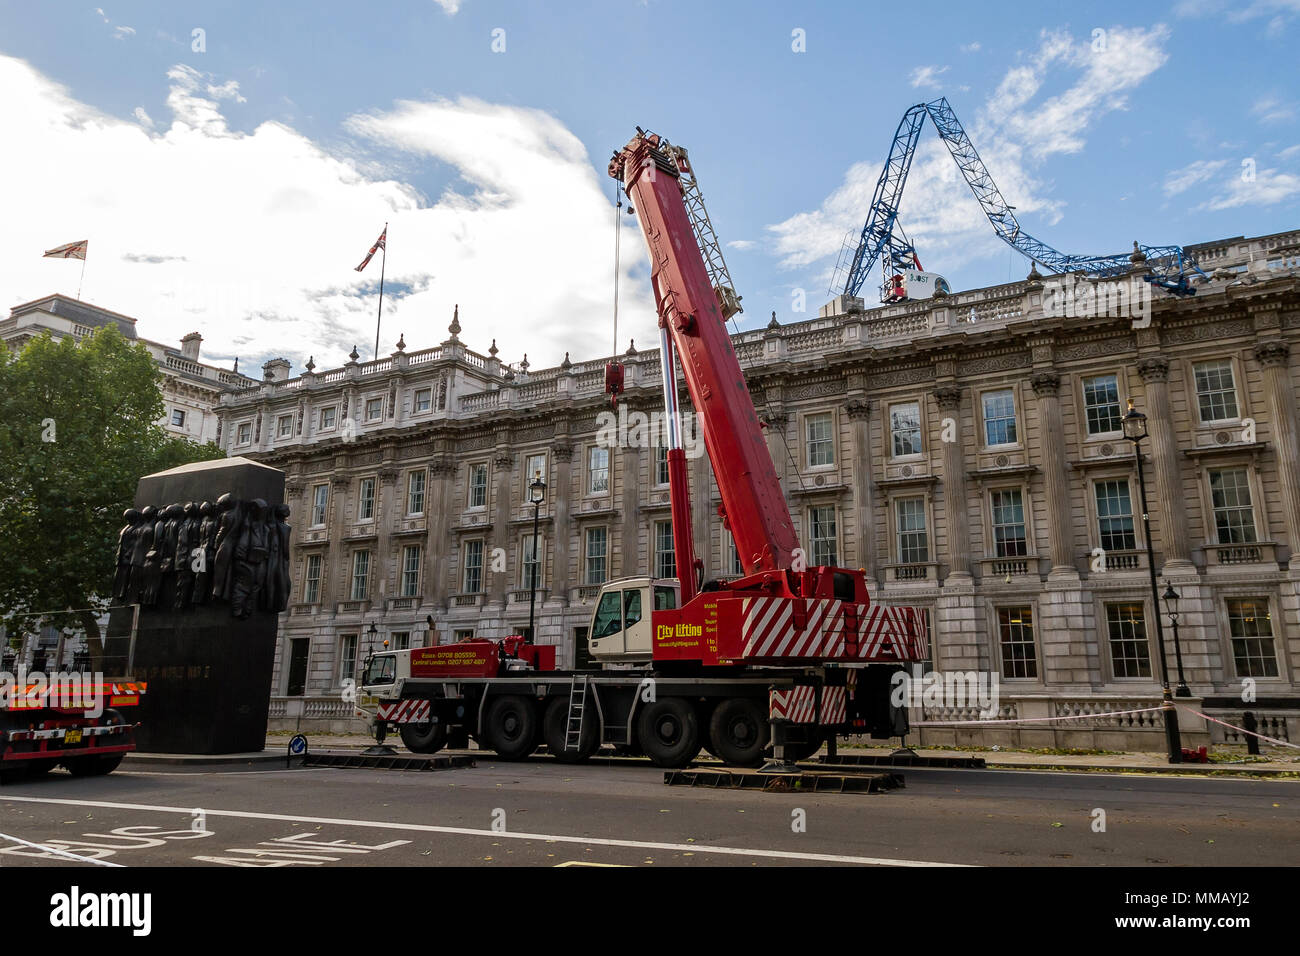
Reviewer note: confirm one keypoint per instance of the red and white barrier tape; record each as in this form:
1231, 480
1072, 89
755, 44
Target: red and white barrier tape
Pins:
1272, 740
1031, 720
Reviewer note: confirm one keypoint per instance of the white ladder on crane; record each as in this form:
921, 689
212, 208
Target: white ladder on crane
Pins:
577, 704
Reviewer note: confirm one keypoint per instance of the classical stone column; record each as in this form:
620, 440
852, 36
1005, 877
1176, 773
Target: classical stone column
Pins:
1272, 356
1164, 456
337, 582
630, 506
385, 514
864, 506
502, 474
948, 398
1046, 385
438, 541
702, 510
561, 523
777, 419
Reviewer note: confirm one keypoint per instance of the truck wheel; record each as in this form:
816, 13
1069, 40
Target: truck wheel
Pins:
739, 732
423, 738
93, 766
510, 727
555, 730
669, 732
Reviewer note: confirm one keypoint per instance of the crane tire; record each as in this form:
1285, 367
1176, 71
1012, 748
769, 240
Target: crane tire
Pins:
669, 732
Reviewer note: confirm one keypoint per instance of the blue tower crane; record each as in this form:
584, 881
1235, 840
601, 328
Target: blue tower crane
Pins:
882, 238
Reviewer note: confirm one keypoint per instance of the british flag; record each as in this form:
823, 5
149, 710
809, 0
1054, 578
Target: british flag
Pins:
380, 243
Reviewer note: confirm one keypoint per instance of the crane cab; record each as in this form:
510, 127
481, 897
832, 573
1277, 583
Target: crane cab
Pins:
621, 624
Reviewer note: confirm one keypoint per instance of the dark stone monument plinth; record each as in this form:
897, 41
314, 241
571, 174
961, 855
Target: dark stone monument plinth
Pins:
208, 671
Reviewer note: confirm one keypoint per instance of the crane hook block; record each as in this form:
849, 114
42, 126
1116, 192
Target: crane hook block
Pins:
613, 381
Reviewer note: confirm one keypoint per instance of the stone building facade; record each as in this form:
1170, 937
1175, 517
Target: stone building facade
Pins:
190, 388
964, 451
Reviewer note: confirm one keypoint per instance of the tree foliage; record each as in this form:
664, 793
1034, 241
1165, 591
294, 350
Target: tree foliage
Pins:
79, 425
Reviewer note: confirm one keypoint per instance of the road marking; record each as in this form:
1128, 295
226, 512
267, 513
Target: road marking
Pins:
468, 831
58, 852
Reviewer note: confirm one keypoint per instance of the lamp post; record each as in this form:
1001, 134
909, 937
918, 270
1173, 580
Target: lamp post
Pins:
1171, 596
1135, 429
536, 492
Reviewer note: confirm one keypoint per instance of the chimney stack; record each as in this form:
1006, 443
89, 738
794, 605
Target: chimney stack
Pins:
276, 370
190, 346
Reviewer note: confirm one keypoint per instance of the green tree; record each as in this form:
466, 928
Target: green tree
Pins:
78, 427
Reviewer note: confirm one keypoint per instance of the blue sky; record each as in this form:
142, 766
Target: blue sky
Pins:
233, 189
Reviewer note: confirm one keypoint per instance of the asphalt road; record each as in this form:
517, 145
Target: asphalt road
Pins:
541, 813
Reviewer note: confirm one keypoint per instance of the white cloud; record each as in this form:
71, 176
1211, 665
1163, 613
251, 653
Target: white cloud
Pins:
1181, 180
1268, 187
927, 76
1270, 109
145, 119
121, 33
972, 47
741, 244
251, 238
1015, 132
450, 7
1289, 152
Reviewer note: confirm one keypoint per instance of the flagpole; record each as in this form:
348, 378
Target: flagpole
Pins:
83, 275
382, 263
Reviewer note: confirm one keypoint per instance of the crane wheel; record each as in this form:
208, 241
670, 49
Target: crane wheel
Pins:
739, 732
555, 728
669, 732
510, 727
423, 738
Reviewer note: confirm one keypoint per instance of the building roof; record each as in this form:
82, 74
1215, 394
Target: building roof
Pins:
82, 313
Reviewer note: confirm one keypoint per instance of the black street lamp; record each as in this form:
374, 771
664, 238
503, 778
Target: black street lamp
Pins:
1171, 596
536, 492
1135, 429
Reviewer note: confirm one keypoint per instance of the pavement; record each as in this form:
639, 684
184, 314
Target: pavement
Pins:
619, 813
1280, 762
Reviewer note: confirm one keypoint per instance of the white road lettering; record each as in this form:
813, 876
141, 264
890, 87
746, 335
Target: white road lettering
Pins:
495, 835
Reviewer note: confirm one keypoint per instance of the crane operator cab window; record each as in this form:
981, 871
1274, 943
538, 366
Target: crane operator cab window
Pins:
621, 627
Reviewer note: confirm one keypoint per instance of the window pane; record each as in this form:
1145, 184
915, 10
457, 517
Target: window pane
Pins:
665, 557
1008, 523
311, 590
1101, 404
609, 615
319, 500
905, 427
1234, 518
415, 493
410, 571
478, 486
1000, 418
820, 439
597, 470
661, 464
1251, 625
473, 576
1114, 516
596, 545
913, 542
366, 499
821, 522
360, 574
1130, 653
1216, 393
1016, 636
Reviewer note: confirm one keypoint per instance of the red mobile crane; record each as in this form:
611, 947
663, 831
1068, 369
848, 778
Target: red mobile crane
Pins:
786, 654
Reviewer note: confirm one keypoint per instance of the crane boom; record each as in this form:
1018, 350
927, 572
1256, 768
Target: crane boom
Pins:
1168, 265
693, 310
